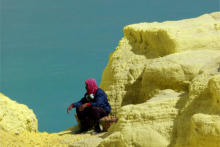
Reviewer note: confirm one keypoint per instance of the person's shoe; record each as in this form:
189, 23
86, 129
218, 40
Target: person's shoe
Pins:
81, 130
97, 127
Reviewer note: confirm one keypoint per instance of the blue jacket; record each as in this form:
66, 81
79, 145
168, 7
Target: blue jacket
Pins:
100, 100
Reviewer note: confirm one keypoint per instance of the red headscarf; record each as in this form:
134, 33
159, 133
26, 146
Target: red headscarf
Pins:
91, 85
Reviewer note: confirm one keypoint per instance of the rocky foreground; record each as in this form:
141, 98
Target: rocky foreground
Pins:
163, 83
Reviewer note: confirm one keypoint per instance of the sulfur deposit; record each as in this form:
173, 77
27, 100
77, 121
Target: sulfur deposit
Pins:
163, 83
16, 118
19, 128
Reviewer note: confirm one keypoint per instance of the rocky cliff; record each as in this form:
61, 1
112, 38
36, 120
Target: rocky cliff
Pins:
163, 82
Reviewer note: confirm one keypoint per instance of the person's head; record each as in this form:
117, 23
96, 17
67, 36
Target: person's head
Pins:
91, 86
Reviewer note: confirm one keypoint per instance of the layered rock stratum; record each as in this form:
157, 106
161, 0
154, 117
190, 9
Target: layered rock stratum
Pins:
163, 83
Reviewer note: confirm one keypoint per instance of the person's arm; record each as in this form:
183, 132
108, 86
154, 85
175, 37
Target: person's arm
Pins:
76, 104
69, 108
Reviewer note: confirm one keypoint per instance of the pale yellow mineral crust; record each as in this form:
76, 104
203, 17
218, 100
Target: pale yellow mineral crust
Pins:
19, 128
163, 83
16, 118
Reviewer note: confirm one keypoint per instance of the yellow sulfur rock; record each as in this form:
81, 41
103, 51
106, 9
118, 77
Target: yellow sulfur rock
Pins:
43, 139
163, 84
18, 128
159, 39
154, 56
214, 87
147, 124
16, 118
205, 130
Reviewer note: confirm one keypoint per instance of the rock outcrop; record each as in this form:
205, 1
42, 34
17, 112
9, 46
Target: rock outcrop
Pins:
16, 118
163, 83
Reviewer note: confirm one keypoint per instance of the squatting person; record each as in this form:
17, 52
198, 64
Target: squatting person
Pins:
92, 107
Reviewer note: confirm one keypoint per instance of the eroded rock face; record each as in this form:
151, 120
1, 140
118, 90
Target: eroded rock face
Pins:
147, 124
164, 78
205, 130
148, 48
16, 118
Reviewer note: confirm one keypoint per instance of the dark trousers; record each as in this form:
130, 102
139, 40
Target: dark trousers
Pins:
90, 115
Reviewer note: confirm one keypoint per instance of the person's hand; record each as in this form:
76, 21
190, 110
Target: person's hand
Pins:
83, 106
69, 108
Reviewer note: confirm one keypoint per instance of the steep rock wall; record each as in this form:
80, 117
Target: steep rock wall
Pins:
151, 58
133, 60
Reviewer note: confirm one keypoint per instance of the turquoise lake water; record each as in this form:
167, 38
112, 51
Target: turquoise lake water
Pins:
49, 48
